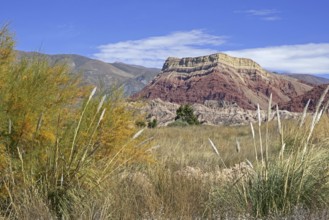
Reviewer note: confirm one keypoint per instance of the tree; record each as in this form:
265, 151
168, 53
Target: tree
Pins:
185, 114
152, 124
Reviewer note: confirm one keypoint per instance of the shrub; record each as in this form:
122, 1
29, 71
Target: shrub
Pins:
178, 123
58, 143
185, 113
152, 124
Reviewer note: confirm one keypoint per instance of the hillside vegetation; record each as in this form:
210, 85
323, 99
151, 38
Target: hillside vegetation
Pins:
72, 152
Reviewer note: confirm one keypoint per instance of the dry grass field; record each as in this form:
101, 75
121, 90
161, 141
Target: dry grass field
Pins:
76, 153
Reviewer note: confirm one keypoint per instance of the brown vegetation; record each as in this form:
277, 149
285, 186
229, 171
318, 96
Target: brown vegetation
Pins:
70, 154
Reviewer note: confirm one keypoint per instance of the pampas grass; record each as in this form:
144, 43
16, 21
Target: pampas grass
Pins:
254, 140
302, 119
213, 146
216, 151
260, 135
237, 146
267, 125
78, 125
290, 182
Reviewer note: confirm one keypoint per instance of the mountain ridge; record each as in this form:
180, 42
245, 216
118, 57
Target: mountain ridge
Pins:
309, 78
132, 77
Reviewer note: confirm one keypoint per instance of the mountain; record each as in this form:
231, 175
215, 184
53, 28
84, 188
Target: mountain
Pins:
322, 75
142, 76
132, 77
220, 77
309, 78
299, 102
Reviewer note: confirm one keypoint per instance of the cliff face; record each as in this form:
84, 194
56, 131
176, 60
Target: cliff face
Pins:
191, 65
219, 77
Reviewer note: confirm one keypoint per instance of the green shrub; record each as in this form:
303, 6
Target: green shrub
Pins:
178, 123
152, 124
185, 113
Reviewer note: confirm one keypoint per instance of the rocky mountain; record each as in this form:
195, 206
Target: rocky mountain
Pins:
309, 78
221, 78
299, 102
132, 77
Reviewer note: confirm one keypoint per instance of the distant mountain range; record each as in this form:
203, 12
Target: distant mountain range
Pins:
132, 77
216, 77
309, 78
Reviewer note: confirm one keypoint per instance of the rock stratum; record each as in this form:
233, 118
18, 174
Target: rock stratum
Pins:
221, 78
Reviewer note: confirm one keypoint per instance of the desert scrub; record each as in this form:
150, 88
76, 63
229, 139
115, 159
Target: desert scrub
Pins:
284, 186
60, 141
158, 192
293, 178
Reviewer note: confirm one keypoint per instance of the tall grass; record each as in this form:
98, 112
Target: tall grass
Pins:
59, 145
75, 153
295, 178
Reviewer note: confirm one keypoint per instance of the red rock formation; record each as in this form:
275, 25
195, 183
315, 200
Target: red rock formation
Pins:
298, 103
222, 78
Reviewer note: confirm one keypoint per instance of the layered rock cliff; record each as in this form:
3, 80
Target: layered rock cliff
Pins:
193, 65
220, 77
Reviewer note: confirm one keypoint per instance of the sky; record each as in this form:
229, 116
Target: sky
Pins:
289, 36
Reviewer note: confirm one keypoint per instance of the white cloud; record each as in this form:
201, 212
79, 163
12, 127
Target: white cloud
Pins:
271, 18
152, 51
303, 58
264, 14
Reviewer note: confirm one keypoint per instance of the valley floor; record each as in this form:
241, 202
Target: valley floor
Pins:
187, 179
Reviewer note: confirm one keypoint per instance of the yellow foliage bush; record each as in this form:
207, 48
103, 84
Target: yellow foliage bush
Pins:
53, 136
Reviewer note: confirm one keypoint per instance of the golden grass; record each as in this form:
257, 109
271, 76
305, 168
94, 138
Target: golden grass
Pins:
178, 184
96, 165
189, 146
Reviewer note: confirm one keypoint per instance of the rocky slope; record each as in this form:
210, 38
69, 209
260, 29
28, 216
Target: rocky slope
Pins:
299, 102
133, 78
221, 78
210, 113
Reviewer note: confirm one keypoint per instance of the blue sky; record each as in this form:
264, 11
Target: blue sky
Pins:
281, 35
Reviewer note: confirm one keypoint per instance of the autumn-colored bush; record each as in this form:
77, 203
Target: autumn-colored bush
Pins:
59, 140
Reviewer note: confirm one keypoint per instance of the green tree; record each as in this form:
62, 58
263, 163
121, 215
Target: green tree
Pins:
185, 113
152, 124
